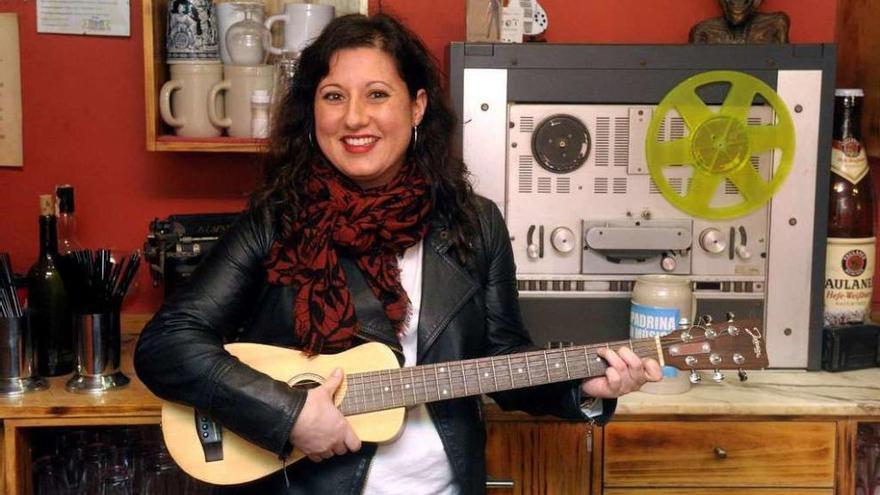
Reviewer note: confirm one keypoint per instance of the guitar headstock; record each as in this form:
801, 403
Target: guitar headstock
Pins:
738, 344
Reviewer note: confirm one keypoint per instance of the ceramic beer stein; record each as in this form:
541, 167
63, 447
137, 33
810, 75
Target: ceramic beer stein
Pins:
191, 33
183, 100
235, 91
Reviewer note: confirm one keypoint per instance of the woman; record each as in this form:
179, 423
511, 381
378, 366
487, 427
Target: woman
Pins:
365, 229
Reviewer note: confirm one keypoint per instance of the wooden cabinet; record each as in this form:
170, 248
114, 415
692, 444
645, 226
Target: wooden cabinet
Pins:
539, 456
18, 435
713, 457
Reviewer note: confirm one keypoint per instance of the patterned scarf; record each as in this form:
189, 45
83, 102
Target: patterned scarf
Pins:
338, 218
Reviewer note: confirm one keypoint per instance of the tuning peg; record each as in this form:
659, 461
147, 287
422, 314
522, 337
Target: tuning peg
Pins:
695, 377
742, 375
706, 319
684, 323
730, 317
718, 376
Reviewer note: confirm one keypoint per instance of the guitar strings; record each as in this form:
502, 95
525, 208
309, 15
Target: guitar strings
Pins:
460, 382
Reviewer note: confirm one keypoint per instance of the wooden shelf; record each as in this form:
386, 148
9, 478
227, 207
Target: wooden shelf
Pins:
159, 136
174, 143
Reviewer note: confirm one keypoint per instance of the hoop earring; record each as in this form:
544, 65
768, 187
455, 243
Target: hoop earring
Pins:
415, 138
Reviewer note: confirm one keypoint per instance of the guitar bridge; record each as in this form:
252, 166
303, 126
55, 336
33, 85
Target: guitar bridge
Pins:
210, 436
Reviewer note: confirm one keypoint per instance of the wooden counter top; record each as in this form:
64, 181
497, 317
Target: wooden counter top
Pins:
132, 400
789, 393
783, 392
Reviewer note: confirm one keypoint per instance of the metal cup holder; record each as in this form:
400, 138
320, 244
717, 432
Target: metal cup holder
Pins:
97, 354
17, 365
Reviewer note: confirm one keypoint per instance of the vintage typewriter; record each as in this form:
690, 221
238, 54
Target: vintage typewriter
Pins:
176, 245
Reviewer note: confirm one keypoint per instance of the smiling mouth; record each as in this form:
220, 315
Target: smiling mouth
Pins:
359, 141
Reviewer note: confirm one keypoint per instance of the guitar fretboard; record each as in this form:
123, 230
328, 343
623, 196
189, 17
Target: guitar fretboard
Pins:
412, 385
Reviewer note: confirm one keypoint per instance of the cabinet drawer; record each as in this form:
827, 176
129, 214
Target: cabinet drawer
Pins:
719, 454
719, 491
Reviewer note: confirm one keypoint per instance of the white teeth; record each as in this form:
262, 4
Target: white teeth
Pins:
361, 141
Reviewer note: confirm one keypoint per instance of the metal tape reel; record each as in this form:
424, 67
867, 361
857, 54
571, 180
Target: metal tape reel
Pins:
561, 143
719, 144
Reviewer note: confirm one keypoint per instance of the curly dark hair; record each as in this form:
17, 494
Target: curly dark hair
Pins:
292, 151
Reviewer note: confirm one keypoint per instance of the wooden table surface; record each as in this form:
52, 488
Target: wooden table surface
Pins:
54, 402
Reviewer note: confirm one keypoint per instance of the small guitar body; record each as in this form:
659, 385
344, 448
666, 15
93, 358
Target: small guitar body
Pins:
243, 461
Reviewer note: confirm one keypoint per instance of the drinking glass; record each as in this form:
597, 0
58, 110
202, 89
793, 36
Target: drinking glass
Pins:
162, 477
116, 481
48, 481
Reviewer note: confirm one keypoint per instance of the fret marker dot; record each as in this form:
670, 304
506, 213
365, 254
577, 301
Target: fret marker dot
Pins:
442, 370
386, 389
519, 370
406, 386
444, 391
557, 365
486, 374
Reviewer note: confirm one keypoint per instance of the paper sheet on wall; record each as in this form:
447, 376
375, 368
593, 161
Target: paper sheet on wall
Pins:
94, 17
11, 152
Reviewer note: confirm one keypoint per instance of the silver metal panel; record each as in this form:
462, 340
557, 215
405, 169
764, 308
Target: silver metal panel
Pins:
790, 252
604, 188
484, 123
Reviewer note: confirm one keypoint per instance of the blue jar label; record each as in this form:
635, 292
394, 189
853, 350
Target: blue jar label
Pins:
649, 321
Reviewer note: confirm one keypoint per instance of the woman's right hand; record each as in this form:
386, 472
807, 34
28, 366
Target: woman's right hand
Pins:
321, 431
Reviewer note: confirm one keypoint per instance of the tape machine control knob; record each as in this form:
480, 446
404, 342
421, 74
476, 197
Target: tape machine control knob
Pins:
562, 239
668, 263
712, 241
743, 252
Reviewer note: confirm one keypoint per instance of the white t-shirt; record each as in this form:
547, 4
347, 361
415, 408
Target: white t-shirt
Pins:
415, 462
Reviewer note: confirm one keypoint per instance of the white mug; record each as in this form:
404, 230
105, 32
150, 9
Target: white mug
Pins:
238, 86
303, 22
183, 100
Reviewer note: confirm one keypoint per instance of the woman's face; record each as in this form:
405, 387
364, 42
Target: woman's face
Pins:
364, 115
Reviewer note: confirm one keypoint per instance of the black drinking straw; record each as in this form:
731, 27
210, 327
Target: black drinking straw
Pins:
95, 283
10, 307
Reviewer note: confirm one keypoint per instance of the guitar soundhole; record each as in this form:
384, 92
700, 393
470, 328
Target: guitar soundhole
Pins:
306, 385
306, 382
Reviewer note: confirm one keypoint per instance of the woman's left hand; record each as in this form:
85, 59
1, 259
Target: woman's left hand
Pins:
626, 373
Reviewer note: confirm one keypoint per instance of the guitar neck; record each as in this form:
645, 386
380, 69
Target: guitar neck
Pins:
413, 385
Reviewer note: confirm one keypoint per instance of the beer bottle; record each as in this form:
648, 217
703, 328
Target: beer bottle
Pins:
849, 265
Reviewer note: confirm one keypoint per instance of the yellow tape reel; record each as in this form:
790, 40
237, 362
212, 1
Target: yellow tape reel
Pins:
719, 145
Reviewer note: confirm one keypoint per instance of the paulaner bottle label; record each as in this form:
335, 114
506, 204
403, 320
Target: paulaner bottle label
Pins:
848, 159
849, 280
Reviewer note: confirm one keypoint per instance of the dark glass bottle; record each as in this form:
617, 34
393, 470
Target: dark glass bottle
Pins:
67, 240
50, 314
849, 266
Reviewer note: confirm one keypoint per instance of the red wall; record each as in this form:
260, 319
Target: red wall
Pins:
84, 104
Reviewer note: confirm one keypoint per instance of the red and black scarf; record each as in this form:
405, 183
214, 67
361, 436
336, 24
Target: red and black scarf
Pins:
373, 226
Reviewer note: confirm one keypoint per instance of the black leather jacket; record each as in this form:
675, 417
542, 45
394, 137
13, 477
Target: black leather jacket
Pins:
465, 313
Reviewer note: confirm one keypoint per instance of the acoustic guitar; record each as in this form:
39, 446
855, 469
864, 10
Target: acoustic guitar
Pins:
376, 391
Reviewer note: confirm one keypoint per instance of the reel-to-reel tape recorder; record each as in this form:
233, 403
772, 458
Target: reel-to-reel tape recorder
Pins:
613, 161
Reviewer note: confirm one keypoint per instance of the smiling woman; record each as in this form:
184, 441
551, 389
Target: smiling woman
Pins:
365, 230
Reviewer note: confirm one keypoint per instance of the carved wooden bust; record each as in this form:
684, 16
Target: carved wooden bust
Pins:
742, 24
